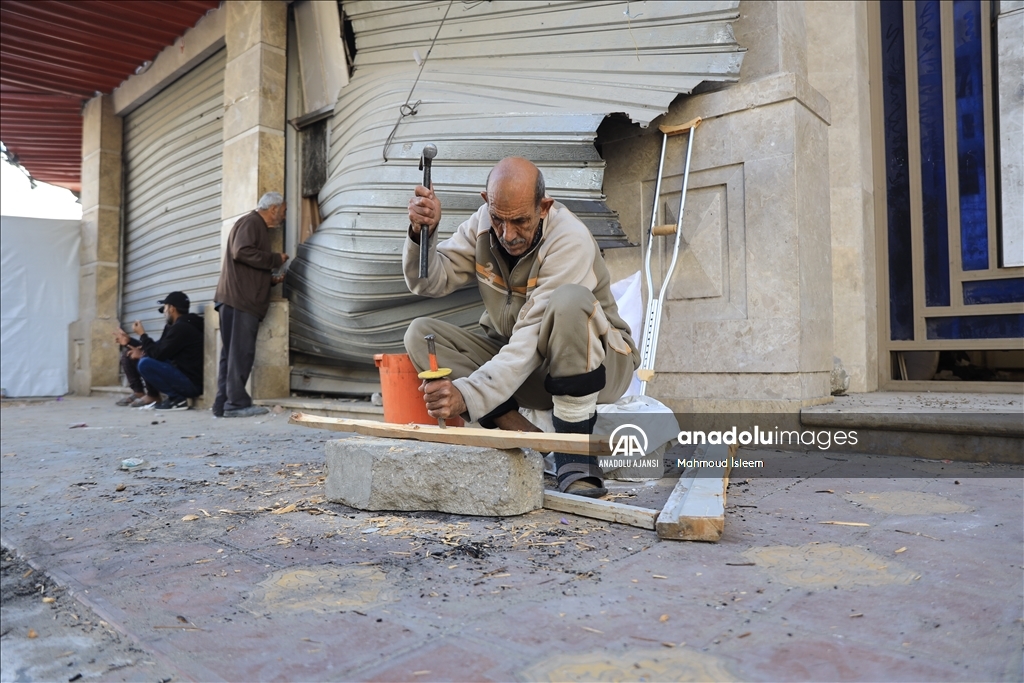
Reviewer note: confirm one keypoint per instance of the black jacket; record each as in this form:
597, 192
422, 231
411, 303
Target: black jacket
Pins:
181, 345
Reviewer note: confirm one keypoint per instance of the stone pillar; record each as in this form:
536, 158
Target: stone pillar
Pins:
94, 355
254, 121
1010, 56
748, 322
837, 57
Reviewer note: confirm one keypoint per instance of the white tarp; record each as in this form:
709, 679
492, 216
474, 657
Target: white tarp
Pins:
38, 300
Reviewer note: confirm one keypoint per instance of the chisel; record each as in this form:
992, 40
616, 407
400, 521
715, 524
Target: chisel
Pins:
434, 372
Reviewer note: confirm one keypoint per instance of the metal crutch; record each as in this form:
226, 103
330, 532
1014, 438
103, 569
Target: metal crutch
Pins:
652, 319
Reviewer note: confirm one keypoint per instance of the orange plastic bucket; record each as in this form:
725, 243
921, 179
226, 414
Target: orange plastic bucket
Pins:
399, 386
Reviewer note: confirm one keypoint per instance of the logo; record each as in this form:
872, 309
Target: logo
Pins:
628, 441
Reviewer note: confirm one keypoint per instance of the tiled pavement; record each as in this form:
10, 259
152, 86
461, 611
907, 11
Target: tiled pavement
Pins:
931, 590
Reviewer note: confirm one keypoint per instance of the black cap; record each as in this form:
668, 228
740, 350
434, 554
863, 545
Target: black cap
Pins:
177, 299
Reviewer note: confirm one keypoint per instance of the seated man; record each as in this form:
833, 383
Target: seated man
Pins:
552, 337
141, 395
173, 365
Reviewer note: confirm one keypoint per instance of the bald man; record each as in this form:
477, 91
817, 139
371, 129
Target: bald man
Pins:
552, 336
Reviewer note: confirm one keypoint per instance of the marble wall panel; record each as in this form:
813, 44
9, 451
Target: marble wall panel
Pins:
1010, 47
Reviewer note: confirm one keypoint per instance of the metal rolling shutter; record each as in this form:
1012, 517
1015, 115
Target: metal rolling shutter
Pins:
172, 162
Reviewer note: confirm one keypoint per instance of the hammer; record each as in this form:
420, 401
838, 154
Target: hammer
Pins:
434, 372
429, 152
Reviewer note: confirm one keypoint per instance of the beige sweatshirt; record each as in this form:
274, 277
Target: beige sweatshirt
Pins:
514, 301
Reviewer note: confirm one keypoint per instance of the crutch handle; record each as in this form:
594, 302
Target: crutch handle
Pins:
644, 374
669, 131
662, 230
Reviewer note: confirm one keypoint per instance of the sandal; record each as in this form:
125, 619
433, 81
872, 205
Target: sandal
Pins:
578, 479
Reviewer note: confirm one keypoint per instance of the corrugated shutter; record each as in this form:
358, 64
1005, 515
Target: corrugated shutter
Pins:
172, 161
534, 79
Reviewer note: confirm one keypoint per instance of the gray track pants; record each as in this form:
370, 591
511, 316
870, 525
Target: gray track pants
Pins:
570, 343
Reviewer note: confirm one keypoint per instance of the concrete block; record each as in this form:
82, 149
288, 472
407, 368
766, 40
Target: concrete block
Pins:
388, 474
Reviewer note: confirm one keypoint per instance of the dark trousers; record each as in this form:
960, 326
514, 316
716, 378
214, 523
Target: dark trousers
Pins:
161, 376
238, 351
130, 367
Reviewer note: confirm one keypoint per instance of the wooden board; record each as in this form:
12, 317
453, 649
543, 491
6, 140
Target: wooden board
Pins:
545, 442
696, 509
600, 509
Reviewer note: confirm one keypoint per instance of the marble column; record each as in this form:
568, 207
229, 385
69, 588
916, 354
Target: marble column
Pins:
254, 121
94, 356
748, 325
837, 58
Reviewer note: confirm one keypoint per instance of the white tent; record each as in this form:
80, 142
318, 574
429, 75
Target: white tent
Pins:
38, 300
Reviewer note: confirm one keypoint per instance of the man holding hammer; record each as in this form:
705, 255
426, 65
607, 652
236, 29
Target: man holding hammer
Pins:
552, 336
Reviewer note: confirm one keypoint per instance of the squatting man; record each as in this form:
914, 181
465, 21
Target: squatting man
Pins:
552, 336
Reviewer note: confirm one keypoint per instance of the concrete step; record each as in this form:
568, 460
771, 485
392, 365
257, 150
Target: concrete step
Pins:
110, 390
939, 426
328, 407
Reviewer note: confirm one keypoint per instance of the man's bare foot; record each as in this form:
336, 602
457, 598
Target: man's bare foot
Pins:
514, 421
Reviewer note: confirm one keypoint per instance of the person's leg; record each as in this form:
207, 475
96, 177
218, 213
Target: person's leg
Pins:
241, 355
461, 351
129, 366
587, 359
167, 379
131, 373
226, 318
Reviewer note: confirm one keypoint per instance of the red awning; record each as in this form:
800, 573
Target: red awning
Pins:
56, 54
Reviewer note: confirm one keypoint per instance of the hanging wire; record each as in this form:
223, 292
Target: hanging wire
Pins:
629, 26
407, 109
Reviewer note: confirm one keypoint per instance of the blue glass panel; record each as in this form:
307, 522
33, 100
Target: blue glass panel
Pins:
897, 178
1005, 326
934, 212
1009, 291
970, 134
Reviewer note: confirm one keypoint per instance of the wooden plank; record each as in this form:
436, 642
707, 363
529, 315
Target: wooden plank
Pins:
600, 509
696, 509
545, 442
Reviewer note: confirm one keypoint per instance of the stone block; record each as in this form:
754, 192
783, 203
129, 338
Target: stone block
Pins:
101, 128
211, 354
254, 91
101, 179
271, 171
100, 235
249, 22
271, 373
388, 474
240, 170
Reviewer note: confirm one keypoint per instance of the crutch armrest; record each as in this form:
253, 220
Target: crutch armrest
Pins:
644, 374
680, 129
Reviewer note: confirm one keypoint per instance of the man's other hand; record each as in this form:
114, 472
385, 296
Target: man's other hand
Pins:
284, 257
424, 209
276, 279
137, 328
443, 399
121, 337
135, 352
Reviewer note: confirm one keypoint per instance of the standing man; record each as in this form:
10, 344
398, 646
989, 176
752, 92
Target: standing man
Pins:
552, 335
242, 298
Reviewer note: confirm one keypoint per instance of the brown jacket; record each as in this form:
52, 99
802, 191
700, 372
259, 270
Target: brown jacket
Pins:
245, 273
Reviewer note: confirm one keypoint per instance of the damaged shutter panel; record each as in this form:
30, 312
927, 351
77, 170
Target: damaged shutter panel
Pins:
173, 145
534, 79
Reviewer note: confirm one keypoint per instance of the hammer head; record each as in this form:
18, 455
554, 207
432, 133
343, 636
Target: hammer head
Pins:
429, 151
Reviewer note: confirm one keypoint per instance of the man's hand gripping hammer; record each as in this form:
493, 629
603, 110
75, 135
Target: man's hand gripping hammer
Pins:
429, 152
434, 372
